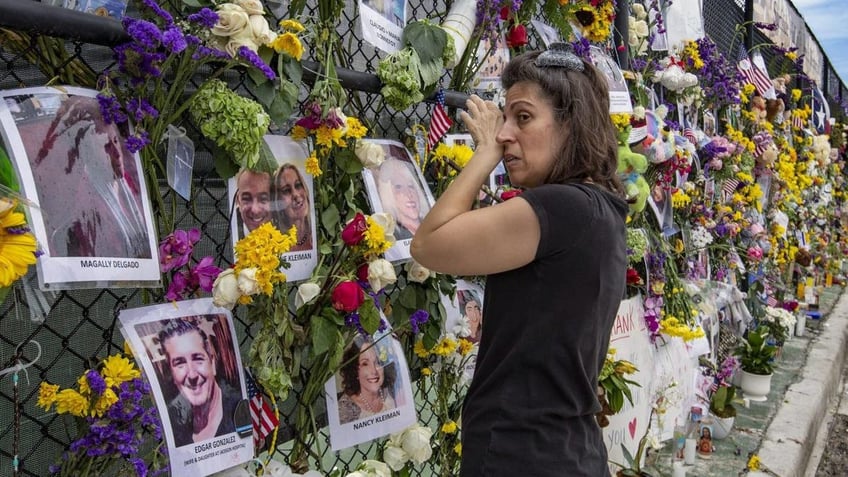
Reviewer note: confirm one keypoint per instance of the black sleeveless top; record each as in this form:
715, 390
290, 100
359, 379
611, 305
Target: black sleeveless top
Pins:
531, 405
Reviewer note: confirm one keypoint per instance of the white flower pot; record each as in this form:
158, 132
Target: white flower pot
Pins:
722, 426
755, 386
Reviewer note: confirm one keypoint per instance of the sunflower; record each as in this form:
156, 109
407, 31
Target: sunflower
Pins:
18, 248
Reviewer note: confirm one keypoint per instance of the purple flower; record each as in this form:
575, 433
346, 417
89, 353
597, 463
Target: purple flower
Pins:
204, 51
159, 11
95, 382
139, 108
257, 62
110, 109
206, 17
143, 32
175, 249
581, 49
177, 287
137, 141
417, 319
174, 40
352, 320
205, 273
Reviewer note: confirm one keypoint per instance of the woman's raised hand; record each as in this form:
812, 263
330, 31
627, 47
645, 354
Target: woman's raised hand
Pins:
483, 120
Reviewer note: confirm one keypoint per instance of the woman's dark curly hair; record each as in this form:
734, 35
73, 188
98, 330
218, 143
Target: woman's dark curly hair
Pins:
350, 371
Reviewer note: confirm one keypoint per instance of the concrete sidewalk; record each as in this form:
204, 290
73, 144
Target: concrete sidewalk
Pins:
783, 430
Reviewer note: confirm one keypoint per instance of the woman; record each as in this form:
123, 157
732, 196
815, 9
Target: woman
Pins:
292, 198
469, 306
401, 196
367, 381
555, 260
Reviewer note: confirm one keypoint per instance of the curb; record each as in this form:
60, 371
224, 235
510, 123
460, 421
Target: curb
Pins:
790, 437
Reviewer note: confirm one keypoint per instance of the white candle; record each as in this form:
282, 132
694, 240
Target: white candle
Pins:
689, 451
677, 469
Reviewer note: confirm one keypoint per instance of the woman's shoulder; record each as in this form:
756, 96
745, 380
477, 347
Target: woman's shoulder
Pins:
348, 409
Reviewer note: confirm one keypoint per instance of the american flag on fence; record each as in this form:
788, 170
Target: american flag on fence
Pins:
771, 300
760, 148
439, 120
797, 122
261, 413
729, 187
689, 134
752, 73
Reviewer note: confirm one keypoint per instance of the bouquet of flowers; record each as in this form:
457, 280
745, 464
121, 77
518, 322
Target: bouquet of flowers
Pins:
120, 433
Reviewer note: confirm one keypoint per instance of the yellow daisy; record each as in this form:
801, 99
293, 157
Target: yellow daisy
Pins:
18, 247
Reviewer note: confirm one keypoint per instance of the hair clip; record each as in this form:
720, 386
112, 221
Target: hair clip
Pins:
559, 55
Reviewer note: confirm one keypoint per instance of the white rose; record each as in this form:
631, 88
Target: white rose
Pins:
225, 290
232, 20
395, 457
252, 7
245, 38
416, 272
641, 28
357, 474
375, 468
247, 282
369, 154
262, 33
387, 221
381, 273
416, 442
305, 293
638, 11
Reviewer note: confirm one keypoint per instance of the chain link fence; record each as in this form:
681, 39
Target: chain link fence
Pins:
78, 328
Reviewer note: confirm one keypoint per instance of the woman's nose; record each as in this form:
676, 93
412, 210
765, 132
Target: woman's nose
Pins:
504, 134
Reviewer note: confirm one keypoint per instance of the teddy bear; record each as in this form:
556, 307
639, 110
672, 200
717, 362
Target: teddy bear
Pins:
631, 165
758, 107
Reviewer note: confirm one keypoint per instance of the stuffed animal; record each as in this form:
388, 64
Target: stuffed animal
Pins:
758, 107
631, 165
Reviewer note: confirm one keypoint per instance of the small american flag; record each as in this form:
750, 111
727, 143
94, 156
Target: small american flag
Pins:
771, 300
264, 418
752, 73
797, 121
729, 187
689, 134
439, 121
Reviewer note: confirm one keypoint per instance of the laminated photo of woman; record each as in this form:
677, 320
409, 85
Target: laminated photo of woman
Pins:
402, 196
292, 201
368, 380
471, 309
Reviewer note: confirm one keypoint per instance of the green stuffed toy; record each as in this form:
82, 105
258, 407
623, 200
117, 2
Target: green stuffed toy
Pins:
631, 166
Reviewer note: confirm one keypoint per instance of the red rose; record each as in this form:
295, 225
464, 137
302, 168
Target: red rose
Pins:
509, 194
362, 273
504, 13
347, 296
633, 277
517, 36
354, 231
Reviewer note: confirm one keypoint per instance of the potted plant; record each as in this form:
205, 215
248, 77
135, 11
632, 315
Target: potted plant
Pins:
724, 414
755, 357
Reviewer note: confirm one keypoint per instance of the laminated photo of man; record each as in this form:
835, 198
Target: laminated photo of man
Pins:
204, 405
368, 381
292, 205
402, 196
253, 199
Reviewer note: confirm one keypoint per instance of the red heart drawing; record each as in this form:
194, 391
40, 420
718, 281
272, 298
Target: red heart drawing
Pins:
632, 426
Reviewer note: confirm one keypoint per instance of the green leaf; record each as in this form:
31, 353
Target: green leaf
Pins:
432, 331
330, 217
348, 161
616, 401
428, 40
430, 73
3, 292
8, 177
267, 162
324, 334
197, 3
407, 297
224, 165
293, 70
280, 110
369, 317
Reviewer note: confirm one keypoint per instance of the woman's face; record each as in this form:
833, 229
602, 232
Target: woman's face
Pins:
370, 372
292, 192
254, 198
405, 192
530, 135
473, 313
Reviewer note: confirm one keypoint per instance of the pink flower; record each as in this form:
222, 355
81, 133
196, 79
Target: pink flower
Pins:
175, 249
354, 231
755, 253
205, 273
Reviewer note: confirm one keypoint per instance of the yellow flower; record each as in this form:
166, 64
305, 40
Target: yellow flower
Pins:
355, 129
293, 26
312, 166
68, 401
449, 427
104, 402
128, 349
375, 237
324, 136
289, 44
419, 349
298, 133
796, 94
754, 462
462, 154
18, 248
426, 371
117, 369
621, 120
792, 55
625, 367
457, 449
47, 395
465, 346
445, 347
82, 384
